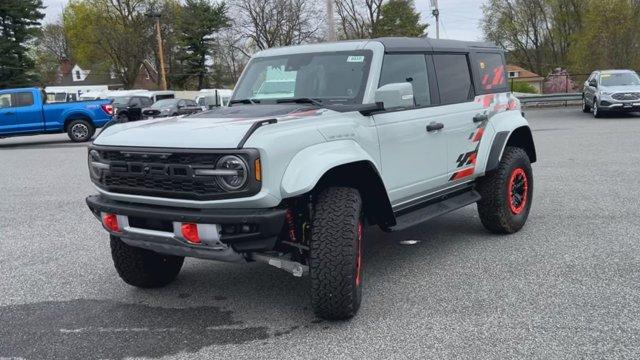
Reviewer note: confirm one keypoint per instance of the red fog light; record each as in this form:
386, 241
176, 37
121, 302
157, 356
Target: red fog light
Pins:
190, 233
110, 221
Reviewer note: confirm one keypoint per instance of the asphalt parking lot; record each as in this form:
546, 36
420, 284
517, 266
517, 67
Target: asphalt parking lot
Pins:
566, 286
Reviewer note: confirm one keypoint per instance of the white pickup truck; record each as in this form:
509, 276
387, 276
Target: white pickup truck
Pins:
389, 132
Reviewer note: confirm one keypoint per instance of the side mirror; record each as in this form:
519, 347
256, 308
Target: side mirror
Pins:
593, 83
396, 95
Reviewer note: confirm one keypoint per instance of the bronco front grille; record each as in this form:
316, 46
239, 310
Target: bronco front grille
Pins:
168, 173
626, 96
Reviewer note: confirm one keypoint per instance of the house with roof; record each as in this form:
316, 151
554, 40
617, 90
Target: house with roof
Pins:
74, 75
518, 74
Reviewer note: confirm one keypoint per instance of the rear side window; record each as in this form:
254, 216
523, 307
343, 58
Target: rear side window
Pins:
23, 99
411, 68
490, 69
454, 78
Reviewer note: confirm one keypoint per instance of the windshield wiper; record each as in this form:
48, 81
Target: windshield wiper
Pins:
244, 101
301, 100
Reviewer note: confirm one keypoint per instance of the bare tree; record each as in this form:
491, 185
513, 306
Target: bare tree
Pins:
537, 33
357, 19
53, 40
232, 55
520, 26
271, 23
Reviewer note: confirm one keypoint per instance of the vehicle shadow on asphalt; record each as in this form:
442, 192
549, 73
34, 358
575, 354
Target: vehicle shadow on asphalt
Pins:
209, 304
49, 144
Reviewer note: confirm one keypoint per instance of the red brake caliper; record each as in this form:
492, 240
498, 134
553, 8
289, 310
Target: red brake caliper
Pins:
518, 191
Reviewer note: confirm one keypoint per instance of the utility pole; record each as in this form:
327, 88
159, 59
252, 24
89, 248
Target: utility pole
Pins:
331, 25
163, 75
436, 14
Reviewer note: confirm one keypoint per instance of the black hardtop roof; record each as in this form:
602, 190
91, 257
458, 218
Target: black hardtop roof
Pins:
406, 44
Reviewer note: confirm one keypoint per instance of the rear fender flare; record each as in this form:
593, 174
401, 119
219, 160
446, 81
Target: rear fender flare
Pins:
509, 131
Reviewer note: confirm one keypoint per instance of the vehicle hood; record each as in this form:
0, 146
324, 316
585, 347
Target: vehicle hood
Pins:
616, 89
220, 128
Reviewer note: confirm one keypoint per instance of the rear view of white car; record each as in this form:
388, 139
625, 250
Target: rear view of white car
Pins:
388, 132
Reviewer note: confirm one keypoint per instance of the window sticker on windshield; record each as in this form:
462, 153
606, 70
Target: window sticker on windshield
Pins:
605, 75
355, 59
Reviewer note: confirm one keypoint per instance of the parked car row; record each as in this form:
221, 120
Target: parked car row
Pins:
31, 111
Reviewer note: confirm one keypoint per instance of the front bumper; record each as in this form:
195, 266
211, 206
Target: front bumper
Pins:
226, 232
621, 106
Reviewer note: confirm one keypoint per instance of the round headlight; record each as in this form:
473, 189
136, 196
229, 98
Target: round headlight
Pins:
235, 164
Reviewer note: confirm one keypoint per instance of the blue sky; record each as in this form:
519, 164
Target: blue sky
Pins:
459, 18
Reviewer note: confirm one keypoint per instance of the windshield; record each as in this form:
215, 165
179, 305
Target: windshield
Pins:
164, 103
619, 79
120, 101
337, 77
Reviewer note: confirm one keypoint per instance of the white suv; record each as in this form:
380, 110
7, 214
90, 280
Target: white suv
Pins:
389, 132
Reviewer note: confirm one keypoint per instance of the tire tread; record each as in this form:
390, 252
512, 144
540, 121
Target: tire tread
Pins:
144, 268
332, 253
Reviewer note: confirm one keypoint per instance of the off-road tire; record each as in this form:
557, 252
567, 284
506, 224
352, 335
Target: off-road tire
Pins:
335, 262
495, 207
585, 107
80, 130
144, 268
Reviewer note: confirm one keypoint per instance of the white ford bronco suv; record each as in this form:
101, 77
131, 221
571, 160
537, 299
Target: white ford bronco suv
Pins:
318, 142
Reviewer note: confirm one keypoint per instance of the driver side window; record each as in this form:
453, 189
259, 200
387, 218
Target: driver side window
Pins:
411, 68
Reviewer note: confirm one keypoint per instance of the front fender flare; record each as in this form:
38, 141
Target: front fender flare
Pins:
309, 165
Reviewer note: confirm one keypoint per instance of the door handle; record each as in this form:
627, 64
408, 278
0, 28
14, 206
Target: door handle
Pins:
480, 118
8, 113
435, 127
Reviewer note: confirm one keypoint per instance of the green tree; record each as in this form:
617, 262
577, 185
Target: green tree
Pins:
107, 33
399, 18
609, 37
201, 20
19, 21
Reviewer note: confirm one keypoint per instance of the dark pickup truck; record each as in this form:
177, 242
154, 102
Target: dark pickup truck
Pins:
26, 112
